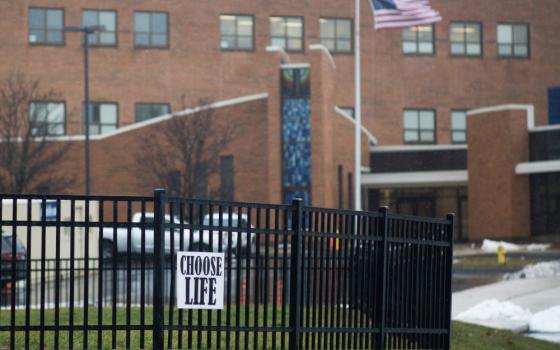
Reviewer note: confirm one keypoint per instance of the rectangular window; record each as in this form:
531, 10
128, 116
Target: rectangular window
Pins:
419, 126
465, 39
47, 118
45, 26
513, 40
236, 32
145, 111
150, 29
108, 19
418, 40
227, 181
287, 32
103, 117
336, 34
459, 126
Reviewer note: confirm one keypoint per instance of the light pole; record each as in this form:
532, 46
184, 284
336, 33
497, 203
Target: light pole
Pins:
86, 30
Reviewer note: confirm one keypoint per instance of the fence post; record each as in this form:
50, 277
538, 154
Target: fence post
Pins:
295, 274
382, 279
159, 268
448, 275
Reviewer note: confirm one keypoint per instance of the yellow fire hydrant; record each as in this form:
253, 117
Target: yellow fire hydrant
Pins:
501, 255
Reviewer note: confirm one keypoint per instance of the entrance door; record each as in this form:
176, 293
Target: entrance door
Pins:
419, 206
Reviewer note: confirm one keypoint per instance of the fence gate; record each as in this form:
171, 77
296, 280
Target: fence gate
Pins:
81, 272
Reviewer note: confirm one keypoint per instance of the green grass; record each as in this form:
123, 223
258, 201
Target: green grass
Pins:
470, 337
491, 262
465, 336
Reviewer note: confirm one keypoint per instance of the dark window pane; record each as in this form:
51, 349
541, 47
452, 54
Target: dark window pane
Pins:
148, 111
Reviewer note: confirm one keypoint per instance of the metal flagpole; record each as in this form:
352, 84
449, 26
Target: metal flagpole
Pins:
357, 114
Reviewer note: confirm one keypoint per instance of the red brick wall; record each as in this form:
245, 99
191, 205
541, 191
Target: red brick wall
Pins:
499, 200
195, 66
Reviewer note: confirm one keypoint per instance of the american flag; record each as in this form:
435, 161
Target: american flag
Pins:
403, 13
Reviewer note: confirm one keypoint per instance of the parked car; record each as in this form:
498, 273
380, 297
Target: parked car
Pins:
203, 244
136, 237
7, 259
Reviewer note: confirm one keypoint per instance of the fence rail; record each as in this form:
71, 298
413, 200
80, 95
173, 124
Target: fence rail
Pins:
99, 272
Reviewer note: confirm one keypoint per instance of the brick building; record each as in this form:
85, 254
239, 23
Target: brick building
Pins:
161, 57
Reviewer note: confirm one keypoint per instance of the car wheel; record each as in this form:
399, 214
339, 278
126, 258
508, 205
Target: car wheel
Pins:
107, 250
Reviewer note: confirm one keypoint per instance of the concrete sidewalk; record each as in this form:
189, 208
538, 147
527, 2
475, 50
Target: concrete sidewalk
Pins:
532, 294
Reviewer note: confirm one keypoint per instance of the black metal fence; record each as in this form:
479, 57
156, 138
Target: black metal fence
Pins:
99, 272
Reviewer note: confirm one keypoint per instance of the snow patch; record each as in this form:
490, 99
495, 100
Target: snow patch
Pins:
546, 321
539, 270
495, 310
491, 246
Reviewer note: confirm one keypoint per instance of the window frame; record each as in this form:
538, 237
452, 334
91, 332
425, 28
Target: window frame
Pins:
302, 18
338, 52
253, 33
419, 130
149, 103
418, 53
465, 110
116, 32
465, 42
512, 56
64, 123
46, 43
116, 104
151, 47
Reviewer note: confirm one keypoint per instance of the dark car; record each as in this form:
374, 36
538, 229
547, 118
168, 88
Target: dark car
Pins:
7, 259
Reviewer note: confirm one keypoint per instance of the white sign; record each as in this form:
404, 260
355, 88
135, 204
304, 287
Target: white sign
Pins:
200, 280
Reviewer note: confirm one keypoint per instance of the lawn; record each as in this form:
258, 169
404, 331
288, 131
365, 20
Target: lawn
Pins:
469, 337
465, 336
491, 262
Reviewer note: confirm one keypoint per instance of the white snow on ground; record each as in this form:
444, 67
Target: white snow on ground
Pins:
546, 321
495, 310
491, 246
539, 270
534, 247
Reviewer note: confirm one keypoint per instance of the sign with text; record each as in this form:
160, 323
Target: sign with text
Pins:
200, 280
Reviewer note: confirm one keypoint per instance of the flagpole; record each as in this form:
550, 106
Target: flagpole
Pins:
357, 113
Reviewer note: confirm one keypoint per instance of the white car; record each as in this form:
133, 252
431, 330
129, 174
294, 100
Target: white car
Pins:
136, 237
201, 241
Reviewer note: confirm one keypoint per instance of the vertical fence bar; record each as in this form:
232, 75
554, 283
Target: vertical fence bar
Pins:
159, 269
295, 273
449, 272
382, 275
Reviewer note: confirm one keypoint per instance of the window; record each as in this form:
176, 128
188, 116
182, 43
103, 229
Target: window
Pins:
513, 40
465, 39
419, 126
287, 32
101, 18
145, 111
103, 117
459, 126
418, 40
236, 32
45, 26
47, 118
336, 34
150, 29
227, 178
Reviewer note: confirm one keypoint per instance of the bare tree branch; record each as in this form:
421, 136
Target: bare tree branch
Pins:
29, 162
184, 150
